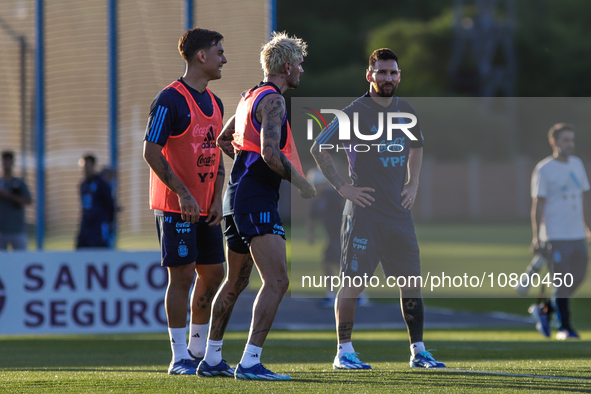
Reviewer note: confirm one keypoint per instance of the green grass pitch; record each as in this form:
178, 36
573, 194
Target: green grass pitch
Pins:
138, 364
479, 360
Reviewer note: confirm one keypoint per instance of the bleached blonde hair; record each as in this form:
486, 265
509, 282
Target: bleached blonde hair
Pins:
280, 50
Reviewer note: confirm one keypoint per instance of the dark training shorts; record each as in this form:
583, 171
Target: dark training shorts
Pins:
568, 257
182, 243
332, 252
366, 243
242, 228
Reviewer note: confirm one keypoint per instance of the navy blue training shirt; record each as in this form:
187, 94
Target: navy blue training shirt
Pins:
170, 114
382, 169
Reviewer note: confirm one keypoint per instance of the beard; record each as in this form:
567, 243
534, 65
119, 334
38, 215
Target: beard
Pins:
293, 82
381, 89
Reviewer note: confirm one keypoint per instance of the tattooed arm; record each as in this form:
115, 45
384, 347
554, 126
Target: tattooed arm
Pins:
359, 195
326, 165
270, 111
224, 141
158, 163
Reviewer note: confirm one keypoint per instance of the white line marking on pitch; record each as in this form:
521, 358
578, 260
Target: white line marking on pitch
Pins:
516, 375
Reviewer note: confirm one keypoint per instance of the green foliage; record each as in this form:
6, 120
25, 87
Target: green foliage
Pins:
553, 43
424, 50
337, 34
348, 80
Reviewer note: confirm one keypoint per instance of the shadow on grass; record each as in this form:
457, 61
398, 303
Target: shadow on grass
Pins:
68, 369
436, 379
81, 353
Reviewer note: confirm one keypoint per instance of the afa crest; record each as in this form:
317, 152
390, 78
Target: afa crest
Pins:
183, 250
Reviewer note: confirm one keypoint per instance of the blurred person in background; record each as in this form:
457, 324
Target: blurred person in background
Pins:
98, 207
559, 226
14, 196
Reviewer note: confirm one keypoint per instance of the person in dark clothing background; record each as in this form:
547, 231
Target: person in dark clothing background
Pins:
98, 207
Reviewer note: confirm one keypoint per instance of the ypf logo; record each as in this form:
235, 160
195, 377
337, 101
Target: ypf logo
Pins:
2, 296
393, 122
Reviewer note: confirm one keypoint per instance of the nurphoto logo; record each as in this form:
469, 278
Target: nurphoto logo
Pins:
394, 121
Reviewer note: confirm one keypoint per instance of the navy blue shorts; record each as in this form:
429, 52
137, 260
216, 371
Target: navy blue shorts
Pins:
366, 243
242, 228
183, 243
568, 257
332, 252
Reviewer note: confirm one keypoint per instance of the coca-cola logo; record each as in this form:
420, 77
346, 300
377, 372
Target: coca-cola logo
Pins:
199, 131
206, 161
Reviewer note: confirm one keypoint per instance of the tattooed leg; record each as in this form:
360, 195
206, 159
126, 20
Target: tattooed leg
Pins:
345, 304
413, 313
239, 269
208, 280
